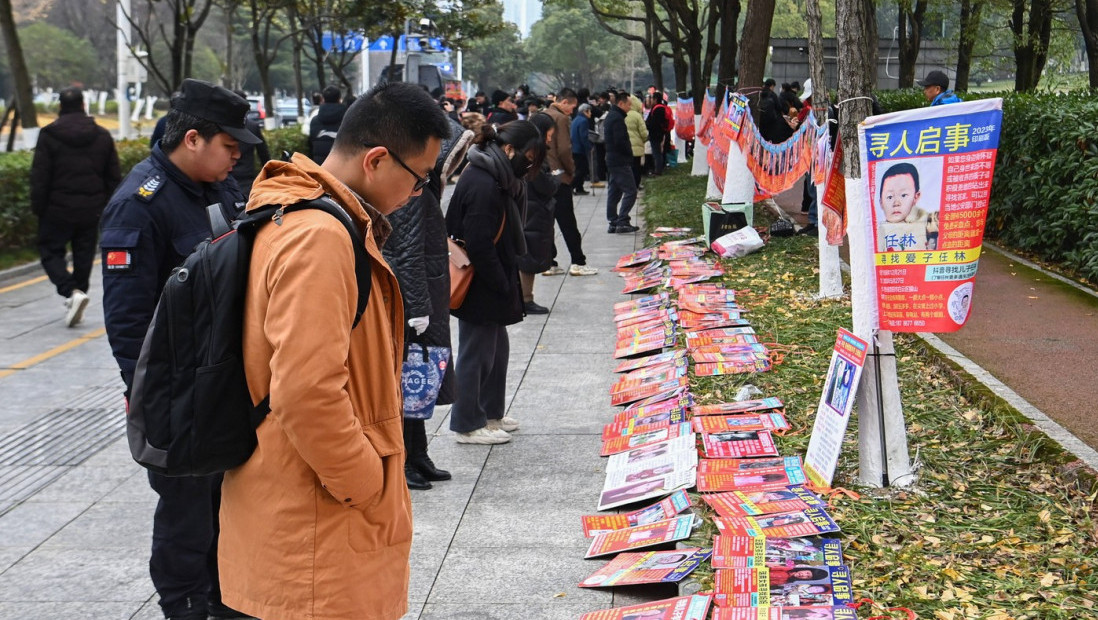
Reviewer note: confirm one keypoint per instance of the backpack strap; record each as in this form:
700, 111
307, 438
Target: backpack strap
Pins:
362, 261
218, 224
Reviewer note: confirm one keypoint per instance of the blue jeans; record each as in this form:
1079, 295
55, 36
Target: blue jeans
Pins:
621, 188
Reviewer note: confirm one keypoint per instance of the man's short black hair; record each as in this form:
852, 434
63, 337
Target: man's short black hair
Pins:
331, 94
397, 115
179, 123
71, 100
565, 94
769, 82
900, 170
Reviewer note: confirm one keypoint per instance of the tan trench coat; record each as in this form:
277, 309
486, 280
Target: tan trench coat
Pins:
318, 522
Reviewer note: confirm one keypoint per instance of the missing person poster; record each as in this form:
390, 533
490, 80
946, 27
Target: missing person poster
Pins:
833, 412
928, 178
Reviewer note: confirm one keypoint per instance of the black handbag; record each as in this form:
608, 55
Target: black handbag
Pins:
781, 228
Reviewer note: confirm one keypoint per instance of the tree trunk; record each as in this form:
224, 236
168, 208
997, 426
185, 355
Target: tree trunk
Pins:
816, 59
910, 30
726, 68
1087, 11
24, 91
393, 57
870, 28
855, 83
227, 76
754, 42
970, 25
1031, 38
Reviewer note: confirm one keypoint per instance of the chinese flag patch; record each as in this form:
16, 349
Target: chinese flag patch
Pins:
119, 260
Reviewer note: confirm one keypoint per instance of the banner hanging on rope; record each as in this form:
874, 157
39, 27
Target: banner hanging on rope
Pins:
709, 111
718, 149
776, 167
928, 175
684, 119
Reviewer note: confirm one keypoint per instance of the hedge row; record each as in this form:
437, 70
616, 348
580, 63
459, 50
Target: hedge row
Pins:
1044, 199
18, 225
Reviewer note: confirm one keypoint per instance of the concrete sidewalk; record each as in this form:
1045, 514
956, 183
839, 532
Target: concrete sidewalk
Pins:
501, 540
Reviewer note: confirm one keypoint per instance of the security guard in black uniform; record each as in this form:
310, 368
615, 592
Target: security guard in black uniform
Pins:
153, 221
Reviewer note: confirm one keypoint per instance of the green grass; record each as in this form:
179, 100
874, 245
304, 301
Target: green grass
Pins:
14, 258
998, 525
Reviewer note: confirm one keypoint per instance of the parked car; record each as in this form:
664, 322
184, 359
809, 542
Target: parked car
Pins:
287, 110
258, 112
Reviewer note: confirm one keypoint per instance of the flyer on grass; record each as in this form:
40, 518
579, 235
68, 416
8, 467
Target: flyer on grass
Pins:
636, 567
800, 586
759, 422
755, 503
647, 488
744, 406
755, 551
633, 425
681, 464
841, 612
739, 444
671, 506
836, 403
694, 607
644, 456
927, 173
650, 360
736, 466
640, 536
615, 445
792, 524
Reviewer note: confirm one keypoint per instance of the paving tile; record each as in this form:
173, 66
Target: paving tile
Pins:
81, 609
563, 610
531, 576
11, 554
507, 524
75, 575
83, 484
32, 523
118, 525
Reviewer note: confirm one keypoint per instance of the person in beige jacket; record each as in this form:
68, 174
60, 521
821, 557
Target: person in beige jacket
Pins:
638, 135
318, 522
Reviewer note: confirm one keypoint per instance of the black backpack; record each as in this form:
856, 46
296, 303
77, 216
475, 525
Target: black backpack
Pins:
190, 412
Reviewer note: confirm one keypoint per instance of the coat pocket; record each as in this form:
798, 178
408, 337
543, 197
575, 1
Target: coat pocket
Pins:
388, 519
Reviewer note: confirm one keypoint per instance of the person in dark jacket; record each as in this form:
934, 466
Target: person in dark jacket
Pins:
73, 174
541, 192
153, 221
619, 166
245, 169
581, 147
774, 125
657, 132
503, 108
323, 127
486, 212
419, 257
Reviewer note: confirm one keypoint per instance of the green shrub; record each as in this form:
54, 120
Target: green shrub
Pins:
131, 152
17, 223
289, 139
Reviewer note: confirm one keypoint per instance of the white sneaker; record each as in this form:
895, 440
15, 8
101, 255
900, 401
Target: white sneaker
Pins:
506, 423
483, 436
582, 270
76, 304
553, 271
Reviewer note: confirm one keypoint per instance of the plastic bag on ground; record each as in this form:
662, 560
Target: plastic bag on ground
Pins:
738, 243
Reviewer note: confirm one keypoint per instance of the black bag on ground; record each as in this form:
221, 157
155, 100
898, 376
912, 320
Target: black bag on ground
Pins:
190, 412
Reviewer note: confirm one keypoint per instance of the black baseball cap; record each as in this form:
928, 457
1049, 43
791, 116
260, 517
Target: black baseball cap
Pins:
215, 104
935, 78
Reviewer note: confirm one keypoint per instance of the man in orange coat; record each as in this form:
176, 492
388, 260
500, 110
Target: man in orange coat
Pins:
318, 522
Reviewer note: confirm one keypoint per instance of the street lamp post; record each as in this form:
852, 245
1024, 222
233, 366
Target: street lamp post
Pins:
122, 12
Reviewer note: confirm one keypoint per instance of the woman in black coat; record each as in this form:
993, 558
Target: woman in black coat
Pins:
541, 190
486, 213
419, 257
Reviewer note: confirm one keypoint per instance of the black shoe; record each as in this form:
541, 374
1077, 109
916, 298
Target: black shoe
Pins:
580, 192
416, 481
612, 229
811, 229
627, 228
426, 468
531, 307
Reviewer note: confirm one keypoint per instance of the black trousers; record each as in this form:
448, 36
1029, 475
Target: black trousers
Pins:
637, 169
481, 372
659, 159
183, 565
600, 162
565, 214
54, 239
582, 167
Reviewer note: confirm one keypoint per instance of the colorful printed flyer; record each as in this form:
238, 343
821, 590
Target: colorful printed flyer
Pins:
739, 445
755, 551
736, 466
757, 422
754, 503
633, 425
633, 568
744, 406
793, 524
594, 525
640, 536
693, 607
640, 457
836, 402
784, 613
927, 173
651, 360
755, 480
797, 586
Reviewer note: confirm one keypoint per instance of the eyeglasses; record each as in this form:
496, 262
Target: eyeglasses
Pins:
421, 182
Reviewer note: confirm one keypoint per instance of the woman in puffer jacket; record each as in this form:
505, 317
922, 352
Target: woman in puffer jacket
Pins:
540, 192
638, 136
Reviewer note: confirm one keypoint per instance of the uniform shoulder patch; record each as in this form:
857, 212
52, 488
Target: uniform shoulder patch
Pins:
148, 189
